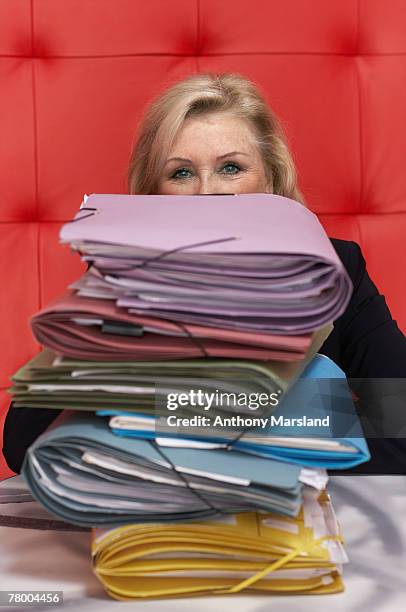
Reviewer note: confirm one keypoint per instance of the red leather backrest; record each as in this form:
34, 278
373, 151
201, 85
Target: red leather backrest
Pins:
76, 75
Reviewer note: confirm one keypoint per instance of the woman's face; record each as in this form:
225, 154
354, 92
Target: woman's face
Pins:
214, 153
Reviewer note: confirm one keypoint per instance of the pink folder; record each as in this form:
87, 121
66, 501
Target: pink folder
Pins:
65, 327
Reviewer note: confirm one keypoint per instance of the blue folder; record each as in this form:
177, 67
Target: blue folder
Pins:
321, 391
132, 480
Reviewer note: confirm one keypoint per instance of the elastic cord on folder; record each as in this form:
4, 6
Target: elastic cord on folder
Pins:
171, 252
261, 574
163, 254
192, 337
95, 211
230, 444
184, 248
185, 480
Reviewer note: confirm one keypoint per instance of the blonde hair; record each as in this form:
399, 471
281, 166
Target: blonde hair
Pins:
206, 93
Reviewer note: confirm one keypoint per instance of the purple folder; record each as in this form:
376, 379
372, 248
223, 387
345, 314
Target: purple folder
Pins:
253, 261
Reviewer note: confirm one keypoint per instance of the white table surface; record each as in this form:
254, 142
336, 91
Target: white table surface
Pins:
371, 511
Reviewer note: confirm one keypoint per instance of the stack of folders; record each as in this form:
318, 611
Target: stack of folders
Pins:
224, 294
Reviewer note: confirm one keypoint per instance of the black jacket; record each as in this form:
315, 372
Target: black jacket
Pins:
366, 343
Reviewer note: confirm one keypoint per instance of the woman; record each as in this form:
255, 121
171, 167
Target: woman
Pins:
215, 134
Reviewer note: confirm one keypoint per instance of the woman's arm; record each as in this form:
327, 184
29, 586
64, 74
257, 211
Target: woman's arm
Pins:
368, 345
371, 344
22, 427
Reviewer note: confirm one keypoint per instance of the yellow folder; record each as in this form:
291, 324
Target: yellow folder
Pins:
243, 552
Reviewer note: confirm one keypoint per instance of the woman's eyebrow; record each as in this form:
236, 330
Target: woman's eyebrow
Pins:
180, 159
232, 153
189, 161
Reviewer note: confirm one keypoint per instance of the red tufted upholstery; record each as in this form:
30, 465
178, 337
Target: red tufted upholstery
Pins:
75, 76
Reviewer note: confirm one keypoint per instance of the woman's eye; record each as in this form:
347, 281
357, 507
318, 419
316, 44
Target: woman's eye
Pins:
181, 173
231, 168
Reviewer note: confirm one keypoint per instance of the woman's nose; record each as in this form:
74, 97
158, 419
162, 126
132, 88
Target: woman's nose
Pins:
211, 184
204, 185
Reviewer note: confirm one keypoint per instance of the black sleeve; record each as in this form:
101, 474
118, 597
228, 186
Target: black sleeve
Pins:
22, 427
370, 348
371, 343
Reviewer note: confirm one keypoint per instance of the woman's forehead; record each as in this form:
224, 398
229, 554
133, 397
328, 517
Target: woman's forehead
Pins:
222, 131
